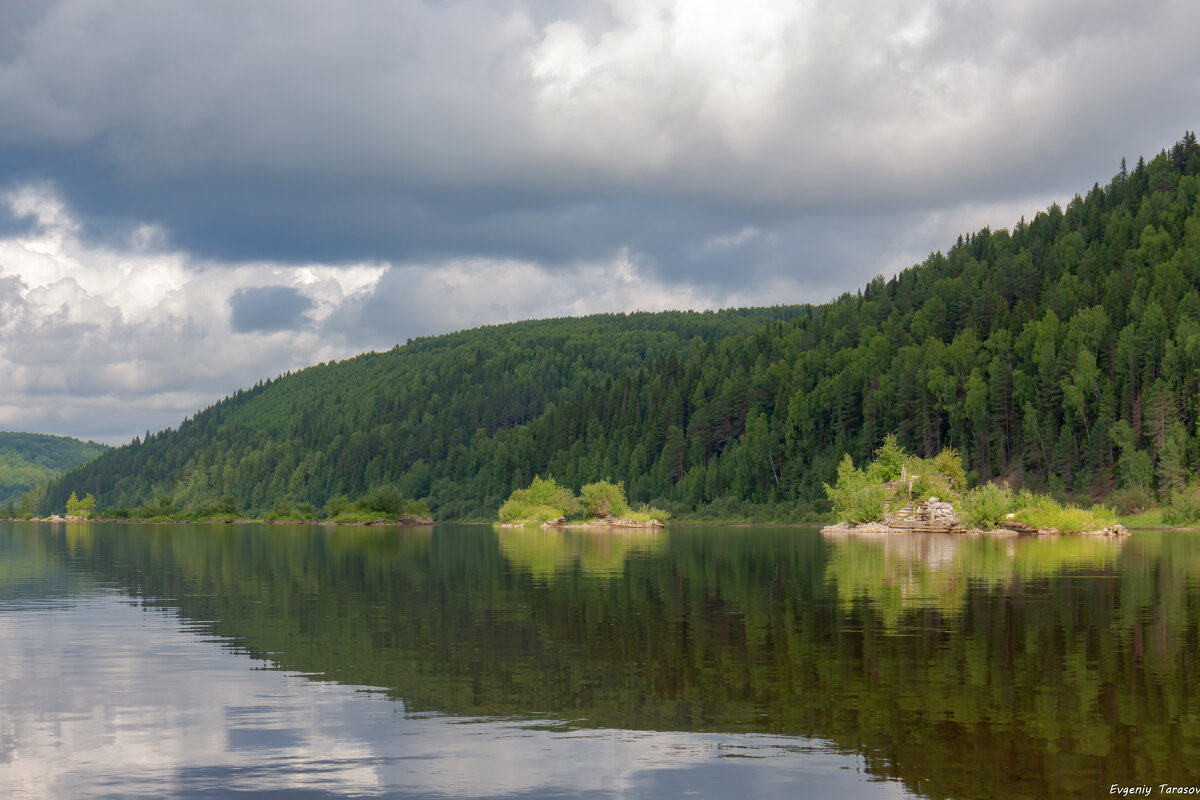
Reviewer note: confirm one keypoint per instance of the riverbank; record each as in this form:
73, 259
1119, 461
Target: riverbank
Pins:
1017, 529
618, 523
402, 521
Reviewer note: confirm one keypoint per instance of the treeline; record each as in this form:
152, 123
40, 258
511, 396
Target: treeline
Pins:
30, 459
1063, 354
443, 418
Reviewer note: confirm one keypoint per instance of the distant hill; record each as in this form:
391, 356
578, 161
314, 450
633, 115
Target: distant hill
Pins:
30, 459
1063, 352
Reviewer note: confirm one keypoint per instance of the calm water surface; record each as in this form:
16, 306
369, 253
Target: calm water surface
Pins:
206, 661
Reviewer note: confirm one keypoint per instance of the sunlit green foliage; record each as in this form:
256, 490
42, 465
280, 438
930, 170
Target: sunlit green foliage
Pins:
862, 495
1183, 508
546, 501
856, 497
986, 506
603, 498
645, 513
1044, 512
80, 508
894, 480
543, 501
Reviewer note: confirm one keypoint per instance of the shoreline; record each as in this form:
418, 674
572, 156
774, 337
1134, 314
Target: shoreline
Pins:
406, 522
619, 523
830, 528
883, 529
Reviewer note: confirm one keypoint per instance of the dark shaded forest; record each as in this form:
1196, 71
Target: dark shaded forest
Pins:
1062, 353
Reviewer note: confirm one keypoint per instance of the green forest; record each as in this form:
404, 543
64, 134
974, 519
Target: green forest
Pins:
28, 460
1062, 353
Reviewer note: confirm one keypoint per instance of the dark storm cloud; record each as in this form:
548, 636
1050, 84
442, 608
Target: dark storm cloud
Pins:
559, 131
361, 172
268, 308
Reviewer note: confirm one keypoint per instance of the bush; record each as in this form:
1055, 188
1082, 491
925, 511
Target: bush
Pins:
1045, 512
543, 501
337, 505
224, 507
889, 460
942, 476
603, 498
518, 511
163, 508
856, 498
386, 500
1131, 500
1183, 508
986, 506
646, 513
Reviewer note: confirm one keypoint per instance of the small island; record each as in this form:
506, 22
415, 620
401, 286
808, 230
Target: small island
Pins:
599, 505
898, 492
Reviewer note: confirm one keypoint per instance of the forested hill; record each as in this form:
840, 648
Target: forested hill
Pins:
447, 417
1064, 351
30, 459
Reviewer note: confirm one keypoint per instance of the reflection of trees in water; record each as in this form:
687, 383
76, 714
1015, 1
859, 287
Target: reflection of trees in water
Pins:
31, 564
548, 552
1043, 667
898, 572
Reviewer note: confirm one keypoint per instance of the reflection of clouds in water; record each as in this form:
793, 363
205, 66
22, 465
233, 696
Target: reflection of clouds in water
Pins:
103, 699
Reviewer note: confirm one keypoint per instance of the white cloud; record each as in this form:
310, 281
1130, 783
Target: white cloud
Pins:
106, 341
416, 168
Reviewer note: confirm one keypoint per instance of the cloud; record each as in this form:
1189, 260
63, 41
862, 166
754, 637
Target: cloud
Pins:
546, 131
268, 308
414, 300
203, 194
105, 341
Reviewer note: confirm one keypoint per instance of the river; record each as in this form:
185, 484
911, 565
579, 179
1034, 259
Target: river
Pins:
462, 661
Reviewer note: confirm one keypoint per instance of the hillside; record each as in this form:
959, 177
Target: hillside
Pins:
1064, 351
446, 417
30, 459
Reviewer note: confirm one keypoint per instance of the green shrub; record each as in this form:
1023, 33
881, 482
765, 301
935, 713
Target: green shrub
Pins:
986, 506
889, 460
546, 492
543, 501
337, 505
1131, 500
416, 509
224, 507
386, 500
516, 511
942, 476
1045, 512
163, 508
1183, 508
868, 504
856, 498
603, 498
645, 513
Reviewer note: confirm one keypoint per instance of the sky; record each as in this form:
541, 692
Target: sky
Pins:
197, 195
